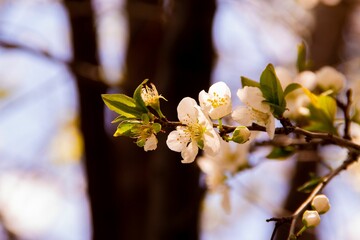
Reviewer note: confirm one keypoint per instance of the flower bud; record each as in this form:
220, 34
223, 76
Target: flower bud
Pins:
311, 218
241, 134
321, 204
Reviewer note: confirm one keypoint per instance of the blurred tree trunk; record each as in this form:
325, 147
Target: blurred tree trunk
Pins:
176, 53
184, 70
133, 194
325, 48
100, 167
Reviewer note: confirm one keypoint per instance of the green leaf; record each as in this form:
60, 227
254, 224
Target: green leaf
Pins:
328, 105
301, 63
310, 185
320, 121
248, 82
125, 129
137, 96
291, 87
272, 91
118, 119
322, 113
281, 152
123, 105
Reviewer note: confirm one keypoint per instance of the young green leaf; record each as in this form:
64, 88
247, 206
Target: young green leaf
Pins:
137, 96
125, 129
291, 87
301, 63
328, 105
322, 113
310, 185
248, 82
119, 119
272, 91
123, 105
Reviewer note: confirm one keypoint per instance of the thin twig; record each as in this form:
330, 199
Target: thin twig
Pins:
329, 138
345, 107
352, 157
347, 115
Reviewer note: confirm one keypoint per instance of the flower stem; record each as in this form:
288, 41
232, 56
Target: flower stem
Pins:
301, 231
220, 126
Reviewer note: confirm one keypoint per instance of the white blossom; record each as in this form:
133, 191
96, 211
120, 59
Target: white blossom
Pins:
197, 132
255, 110
217, 103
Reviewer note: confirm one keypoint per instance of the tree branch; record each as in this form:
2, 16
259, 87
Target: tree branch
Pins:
352, 157
309, 136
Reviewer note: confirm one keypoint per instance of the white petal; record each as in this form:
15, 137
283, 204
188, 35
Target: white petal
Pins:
151, 143
204, 101
186, 110
177, 140
211, 142
216, 103
189, 153
220, 88
242, 115
270, 126
220, 111
252, 96
202, 118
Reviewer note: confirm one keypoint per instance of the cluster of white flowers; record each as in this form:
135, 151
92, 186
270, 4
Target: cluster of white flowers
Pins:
325, 79
197, 131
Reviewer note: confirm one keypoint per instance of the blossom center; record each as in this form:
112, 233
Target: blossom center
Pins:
149, 95
217, 101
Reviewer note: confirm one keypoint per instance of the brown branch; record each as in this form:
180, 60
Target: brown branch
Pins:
352, 157
345, 107
327, 137
309, 136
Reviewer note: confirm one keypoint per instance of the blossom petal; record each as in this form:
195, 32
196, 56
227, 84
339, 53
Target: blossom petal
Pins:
220, 88
186, 110
270, 126
216, 103
242, 115
212, 143
221, 111
252, 97
177, 140
151, 143
204, 98
189, 153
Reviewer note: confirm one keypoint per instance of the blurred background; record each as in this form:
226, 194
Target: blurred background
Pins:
63, 176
